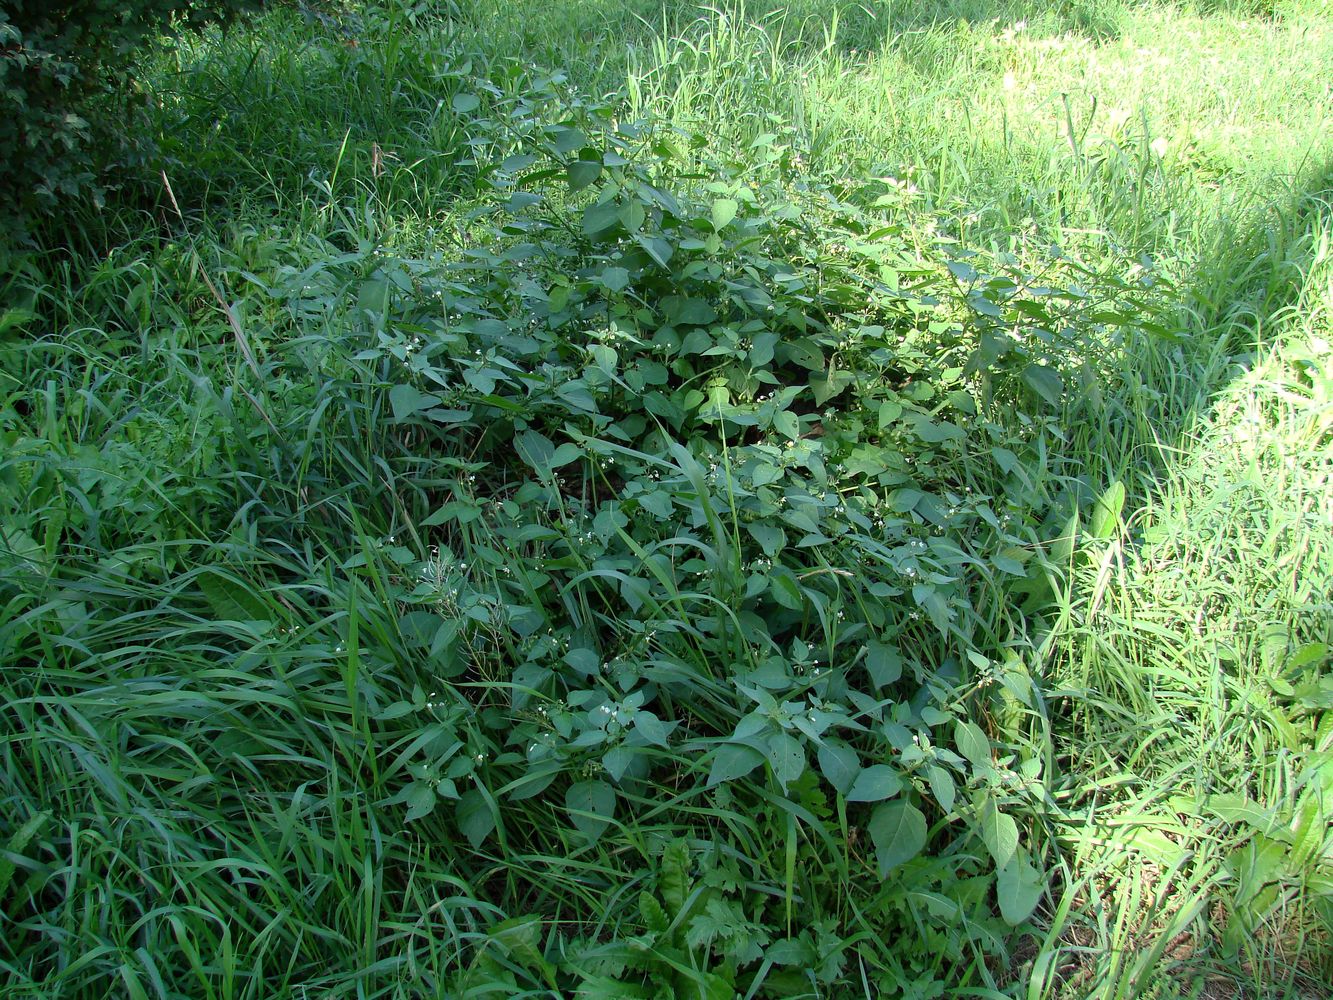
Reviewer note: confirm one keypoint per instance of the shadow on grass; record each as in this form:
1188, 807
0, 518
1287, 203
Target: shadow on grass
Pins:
1196, 638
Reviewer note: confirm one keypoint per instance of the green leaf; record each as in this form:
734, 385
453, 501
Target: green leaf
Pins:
785, 590
942, 787
1018, 889
600, 219
475, 818
972, 743
999, 833
787, 758
591, 805
408, 399
1106, 512
875, 783
232, 601
658, 248
1046, 383
520, 939
683, 311
883, 663
732, 761
770, 537
16, 845
724, 210
673, 881
566, 140
421, 801
651, 728
581, 173
615, 279
840, 765
536, 450
465, 103
898, 831
786, 423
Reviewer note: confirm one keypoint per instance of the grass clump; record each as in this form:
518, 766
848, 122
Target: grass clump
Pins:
670, 526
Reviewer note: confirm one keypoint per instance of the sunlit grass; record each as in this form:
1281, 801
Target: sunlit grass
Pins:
194, 797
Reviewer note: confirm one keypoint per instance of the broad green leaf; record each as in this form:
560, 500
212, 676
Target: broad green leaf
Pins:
1046, 383
617, 761
683, 311
770, 537
581, 173
1105, 519
972, 743
786, 423
840, 765
421, 801
615, 278
999, 833
785, 590
600, 219
787, 758
898, 831
883, 663
875, 783
465, 103
408, 399
942, 787
566, 140
536, 450
1018, 889
591, 805
732, 761
651, 728
724, 210
475, 818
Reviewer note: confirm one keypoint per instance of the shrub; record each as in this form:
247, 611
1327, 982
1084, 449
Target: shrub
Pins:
55, 59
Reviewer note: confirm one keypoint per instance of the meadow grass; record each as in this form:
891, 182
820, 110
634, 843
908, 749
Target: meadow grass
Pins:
239, 569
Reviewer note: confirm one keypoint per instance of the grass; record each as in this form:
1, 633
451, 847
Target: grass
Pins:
302, 674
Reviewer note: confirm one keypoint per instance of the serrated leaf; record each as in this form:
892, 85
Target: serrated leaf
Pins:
673, 881
230, 601
898, 831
